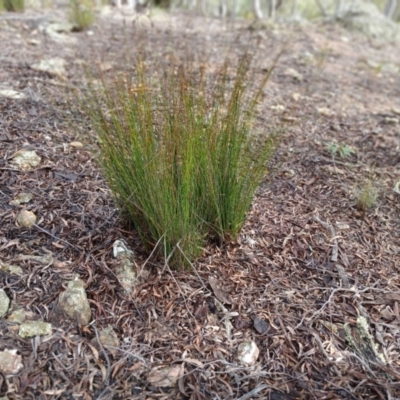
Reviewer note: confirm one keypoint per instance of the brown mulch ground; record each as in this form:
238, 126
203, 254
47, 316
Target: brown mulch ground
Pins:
293, 283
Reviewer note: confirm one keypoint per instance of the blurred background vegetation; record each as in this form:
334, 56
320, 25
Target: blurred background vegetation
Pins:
307, 9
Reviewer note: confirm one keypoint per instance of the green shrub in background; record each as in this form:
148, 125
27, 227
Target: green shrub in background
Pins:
81, 14
13, 5
179, 154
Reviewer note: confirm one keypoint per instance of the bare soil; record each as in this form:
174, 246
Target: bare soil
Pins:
307, 262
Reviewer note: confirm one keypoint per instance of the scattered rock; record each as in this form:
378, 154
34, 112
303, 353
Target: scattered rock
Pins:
396, 188
25, 160
121, 250
342, 225
325, 111
76, 145
292, 73
248, 352
296, 96
4, 303
108, 338
11, 94
21, 198
365, 17
61, 27
17, 316
391, 120
391, 68
125, 269
278, 107
26, 219
34, 328
306, 58
289, 173
106, 66
12, 269
10, 362
54, 66
74, 302
165, 377
59, 31
33, 42
260, 325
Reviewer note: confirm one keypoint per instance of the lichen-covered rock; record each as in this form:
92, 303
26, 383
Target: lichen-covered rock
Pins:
17, 316
10, 362
108, 338
74, 302
12, 269
125, 270
4, 303
365, 17
34, 328
26, 219
25, 160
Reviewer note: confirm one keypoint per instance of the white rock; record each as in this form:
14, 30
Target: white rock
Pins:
120, 249
125, 270
55, 66
4, 303
74, 302
25, 160
10, 362
11, 94
26, 219
248, 352
21, 198
76, 145
291, 72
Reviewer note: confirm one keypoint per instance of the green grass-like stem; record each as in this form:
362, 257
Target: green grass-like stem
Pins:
178, 152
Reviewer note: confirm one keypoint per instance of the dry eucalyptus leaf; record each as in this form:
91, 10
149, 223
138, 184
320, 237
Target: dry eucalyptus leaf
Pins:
26, 219
164, 377
220, 294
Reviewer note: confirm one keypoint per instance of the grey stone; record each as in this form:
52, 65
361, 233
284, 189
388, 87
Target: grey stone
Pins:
365, 17
4, 303
74, 302
34, 328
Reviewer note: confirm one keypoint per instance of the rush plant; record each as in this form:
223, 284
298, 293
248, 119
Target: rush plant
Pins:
13, 5
81, 14
367, 195
179, 151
